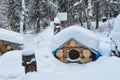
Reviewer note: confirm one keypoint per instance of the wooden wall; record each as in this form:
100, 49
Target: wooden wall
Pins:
85, 55
8, 46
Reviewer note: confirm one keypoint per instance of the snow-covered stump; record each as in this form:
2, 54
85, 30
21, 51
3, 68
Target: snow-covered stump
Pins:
29, 61
57, 27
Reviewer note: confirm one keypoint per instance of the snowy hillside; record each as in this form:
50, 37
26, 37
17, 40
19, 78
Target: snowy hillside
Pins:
49, 68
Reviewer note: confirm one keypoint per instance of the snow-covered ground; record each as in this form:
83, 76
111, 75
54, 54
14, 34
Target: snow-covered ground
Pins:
49, 68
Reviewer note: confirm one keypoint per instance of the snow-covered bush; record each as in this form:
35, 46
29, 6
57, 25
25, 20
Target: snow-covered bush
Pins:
105, 26
115, 33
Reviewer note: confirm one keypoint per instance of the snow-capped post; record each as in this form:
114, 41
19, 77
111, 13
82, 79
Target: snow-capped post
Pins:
56, 25
29, 60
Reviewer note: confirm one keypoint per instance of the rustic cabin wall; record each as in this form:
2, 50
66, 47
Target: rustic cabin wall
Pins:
8, 46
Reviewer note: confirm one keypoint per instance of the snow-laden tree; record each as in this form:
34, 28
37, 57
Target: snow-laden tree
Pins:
23, 17
35, 15
3, 14
39, 14
13, 14
82, 12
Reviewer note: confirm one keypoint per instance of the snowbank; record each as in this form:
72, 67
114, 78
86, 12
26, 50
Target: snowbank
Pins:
105, 26
105, 68
115, 33
117, 24
11, 65
105, 47
11, 36
80, 34
49, 68
116, 30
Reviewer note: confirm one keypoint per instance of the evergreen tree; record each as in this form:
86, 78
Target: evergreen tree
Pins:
13, 15
3, 14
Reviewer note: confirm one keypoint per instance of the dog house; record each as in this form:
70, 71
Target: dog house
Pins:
10, 40
75, 44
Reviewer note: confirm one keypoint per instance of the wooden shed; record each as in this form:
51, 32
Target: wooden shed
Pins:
10, 40
74, 45
63, 18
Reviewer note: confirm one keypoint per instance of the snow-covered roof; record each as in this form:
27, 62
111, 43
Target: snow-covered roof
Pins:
80, 34
62, 16
11, 36
56, 20
104, 17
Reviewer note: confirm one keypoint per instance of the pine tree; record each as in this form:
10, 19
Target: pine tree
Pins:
3, 14
13, 15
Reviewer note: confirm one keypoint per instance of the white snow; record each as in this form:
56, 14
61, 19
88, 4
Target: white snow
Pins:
49, 68
77, 3
10, 65
82, 35
117, 24
115, 33
105, 46
104, 17
56, 20
106, 26
11, 36
28, 51
62, 16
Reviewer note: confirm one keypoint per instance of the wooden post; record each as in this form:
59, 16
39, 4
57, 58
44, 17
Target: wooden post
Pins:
29, 62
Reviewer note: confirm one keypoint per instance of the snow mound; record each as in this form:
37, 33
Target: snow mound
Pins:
28, 51
115, 33
11, 36
116, 30
115, 36
79, 33
117, 24
11, 65
57, 20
